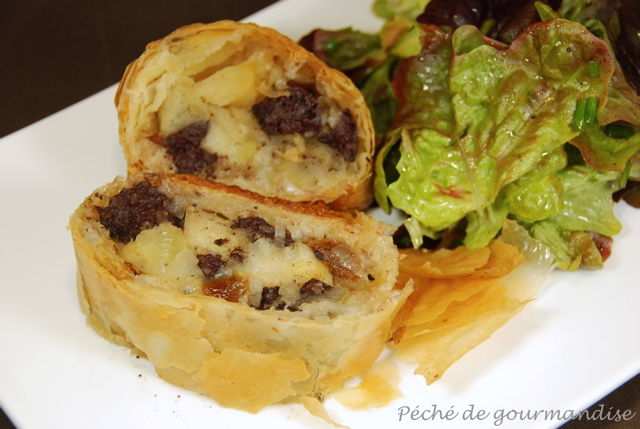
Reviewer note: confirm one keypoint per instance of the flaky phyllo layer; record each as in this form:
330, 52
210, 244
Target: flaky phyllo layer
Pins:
220, 288
244, 105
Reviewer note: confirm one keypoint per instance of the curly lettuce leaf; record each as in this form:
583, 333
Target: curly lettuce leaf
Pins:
407, 9
484, 224
344, 49
623, 103
535, 196
434, 184
514, 106
578, 235
602, 19
417, 231
539, 193
506, 109
575, 233
617, 20
584, 10
600, 149
531, 199
501, 20
588, 205
618, 23
454, 14
421, 84
401, 37
570, 250
604, 151
480, 128
511, 17
380, 98
628, 42
385, 170
546, 12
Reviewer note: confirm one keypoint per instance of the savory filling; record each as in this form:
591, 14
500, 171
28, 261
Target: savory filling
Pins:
252, 123
247, 259
185, 151
300, 113
134, 209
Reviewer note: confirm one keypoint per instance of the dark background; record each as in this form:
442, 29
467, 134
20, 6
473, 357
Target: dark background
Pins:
54, 53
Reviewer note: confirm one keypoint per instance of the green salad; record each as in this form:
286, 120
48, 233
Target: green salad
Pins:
503, 109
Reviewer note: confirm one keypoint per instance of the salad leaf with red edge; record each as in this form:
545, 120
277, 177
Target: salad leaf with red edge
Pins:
489, 110
483, 115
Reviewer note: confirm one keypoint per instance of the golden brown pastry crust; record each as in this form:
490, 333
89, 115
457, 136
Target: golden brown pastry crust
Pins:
138, 100
241, 357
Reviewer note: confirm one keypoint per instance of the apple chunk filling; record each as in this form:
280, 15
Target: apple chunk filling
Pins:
248, 260
253, 123
240, 261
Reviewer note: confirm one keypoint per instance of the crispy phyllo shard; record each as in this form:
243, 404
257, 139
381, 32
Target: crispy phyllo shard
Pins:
244, 105
494, 261
226, 375
460, 298
458, 262
236, 290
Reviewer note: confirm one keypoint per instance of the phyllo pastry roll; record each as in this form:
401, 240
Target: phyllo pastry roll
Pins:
247, 299
244, 105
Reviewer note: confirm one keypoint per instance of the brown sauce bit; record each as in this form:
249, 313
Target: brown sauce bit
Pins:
268, 297
132, 268
313, 288
237, 254
185, 151
228, 288
297, 112
339, 258
135, 209
255, 227
343, 137
210, 264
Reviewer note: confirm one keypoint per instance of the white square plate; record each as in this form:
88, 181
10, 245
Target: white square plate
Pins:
567, 349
